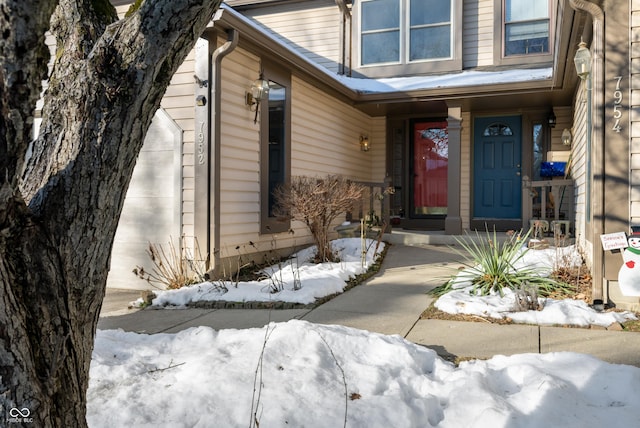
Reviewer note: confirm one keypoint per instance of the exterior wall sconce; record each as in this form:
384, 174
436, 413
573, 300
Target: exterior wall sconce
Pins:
552, 119
259, 91
582, 60
201, 101
364, 143
566, 137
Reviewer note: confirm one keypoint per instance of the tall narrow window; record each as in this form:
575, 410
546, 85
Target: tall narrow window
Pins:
430, 167
275, 145
526, 27
538, 150
277, 140
538, 158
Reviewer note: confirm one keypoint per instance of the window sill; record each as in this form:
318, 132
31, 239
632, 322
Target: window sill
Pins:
413, 69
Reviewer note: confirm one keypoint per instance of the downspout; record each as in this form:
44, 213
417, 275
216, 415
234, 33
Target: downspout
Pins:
596, 133
215, 143
345, 35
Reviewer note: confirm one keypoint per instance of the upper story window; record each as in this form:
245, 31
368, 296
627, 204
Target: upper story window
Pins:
526, 27
405, 31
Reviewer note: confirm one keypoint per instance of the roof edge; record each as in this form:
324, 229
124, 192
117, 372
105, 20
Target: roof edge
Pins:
260, 40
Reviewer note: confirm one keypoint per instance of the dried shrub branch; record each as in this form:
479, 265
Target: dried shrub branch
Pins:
317, 202
172, 267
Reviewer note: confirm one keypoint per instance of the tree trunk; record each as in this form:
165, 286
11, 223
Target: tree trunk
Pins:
59, 210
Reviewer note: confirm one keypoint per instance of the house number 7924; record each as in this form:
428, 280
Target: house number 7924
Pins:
617, 105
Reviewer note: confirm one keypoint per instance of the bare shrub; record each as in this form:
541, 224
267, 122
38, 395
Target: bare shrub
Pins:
233, 266
317, 202
172, 267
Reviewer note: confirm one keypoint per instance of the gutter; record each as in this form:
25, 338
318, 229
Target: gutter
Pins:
595, 135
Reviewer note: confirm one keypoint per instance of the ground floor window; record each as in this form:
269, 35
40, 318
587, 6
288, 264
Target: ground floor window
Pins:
430, 167
275, 144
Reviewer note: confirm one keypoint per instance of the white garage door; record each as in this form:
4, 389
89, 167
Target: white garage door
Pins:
151, 211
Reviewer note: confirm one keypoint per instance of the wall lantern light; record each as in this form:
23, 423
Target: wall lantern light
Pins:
551, 119
201, 101
566, 137
364, 143
582, 60
259, 91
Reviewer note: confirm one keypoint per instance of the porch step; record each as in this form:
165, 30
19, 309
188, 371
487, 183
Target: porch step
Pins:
432, 237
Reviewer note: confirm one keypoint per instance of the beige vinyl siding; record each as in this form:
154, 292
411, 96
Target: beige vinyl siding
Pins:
325, 139
240, 171
564, 121
478, 38
310, 28
240, 153
178, 102
326, 135
578, 169
634, 112
378, 151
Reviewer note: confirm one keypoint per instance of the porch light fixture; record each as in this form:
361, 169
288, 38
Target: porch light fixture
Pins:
259, 91
582, 60
566, 137
552, 119
364, 143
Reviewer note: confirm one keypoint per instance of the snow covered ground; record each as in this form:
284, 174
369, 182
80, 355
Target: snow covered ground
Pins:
303, 374
554, 312
300, 374
300, 280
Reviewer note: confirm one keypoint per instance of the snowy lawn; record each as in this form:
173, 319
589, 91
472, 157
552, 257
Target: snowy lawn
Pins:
310, 375
301, 374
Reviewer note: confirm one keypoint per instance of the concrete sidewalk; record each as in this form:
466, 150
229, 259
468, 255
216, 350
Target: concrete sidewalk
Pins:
390, 303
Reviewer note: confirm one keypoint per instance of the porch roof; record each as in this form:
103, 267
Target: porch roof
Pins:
368, 93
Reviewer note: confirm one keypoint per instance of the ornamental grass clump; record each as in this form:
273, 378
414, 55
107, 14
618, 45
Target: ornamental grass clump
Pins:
491, 266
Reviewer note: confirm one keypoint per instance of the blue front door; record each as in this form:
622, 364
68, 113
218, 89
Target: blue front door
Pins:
497, 168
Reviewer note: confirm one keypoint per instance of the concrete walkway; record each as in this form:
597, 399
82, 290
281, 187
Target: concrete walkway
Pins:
390, 303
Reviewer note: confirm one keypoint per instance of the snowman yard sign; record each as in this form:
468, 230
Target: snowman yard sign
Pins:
629, 274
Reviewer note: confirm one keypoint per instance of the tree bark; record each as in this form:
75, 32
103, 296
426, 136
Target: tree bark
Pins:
59, 210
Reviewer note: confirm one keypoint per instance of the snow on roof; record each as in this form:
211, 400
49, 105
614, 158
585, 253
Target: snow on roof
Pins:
451, 80
366, 85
